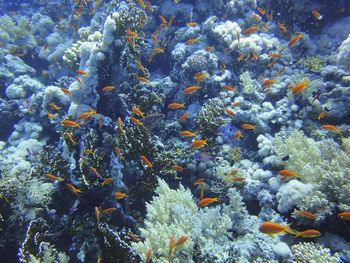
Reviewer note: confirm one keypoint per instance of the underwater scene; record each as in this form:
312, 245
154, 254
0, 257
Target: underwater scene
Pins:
175, 131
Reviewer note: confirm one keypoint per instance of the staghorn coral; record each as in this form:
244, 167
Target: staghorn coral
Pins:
308, 252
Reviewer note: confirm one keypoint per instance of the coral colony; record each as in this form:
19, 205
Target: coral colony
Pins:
175, 131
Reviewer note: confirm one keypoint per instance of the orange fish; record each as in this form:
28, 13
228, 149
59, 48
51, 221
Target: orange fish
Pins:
131, 34
187, 133
207, 201
136, 121
200, 76
275, 55
137, 111
322, 115
190, 89
97, 214
272, 228
120, 124
230, 112
143, 79
69, 123
182, 240
229, 88
306, 214
282, 27
308, 233
86, 114
200, 183
108, 88
95, 172
171, 247
174, 106
269, 82
54, 106
297, 88
146, 162
82, 72
54, 178
254, 57
109, 211
344, 215
106, 181
242, 57
331, 128
248, 126
50, 116
183, 116
69, 136
191, 41
250, 30
79, 80
287, 174
197, 144
295, 39
261, 11
178, 168
209, 48
73, 189
148, 257
256, 17
66, 91
238, 135
317, 15
235, 104
119, 195
191, 24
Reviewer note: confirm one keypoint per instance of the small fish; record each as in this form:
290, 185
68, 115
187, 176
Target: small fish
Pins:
306, 214
86, 114
254, 57
51, 116
120, 124
242, 57
261, 10
207, 201
230, 112
69, 123
95, 172
106, 181
322, 115
238, 135
119, 195
331, 128
149, 254
235, 179
182, 240
171, 247
54, 106
136, 121
108, 88
344, 215
272, 228
136, 110
82, 72
73, 189
309, 233
178, 168
200, 183
191, 41
191, 24
131, 34
250, 30
69, 136
209, 48
190, 89
256, 17
174, 106
229, 88
295, 39
248, 126
143, 79
187, 133
317, 15
287, 174
203, 157
66, 91
183, 116
197, 144
269, 82
146, 162
79, 80
297, 88
200, 76
282, 27
97, 214
235, 104
54, 177
109, 211
274, 55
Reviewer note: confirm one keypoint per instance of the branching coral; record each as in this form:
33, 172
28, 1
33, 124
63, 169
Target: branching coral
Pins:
307, 252
324, 164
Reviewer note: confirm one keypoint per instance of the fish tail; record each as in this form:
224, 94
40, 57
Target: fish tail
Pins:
291, 231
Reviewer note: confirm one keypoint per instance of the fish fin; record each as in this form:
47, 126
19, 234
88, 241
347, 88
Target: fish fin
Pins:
290, 231
272, 236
